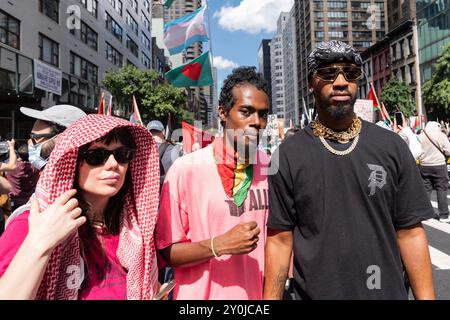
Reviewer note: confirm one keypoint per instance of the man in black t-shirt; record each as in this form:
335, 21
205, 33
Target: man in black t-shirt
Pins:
347, 198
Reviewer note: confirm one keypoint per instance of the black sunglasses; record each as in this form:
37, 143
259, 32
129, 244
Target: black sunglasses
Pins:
35, 136
329, 74
96, 157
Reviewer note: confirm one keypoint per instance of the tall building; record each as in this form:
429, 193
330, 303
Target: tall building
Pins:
359, 23
291, 101
403, 45
200, 99
69, 55
264, 67
433, 19
395, 55
277, 67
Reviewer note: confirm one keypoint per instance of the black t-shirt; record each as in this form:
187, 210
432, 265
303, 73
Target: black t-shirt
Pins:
344, 212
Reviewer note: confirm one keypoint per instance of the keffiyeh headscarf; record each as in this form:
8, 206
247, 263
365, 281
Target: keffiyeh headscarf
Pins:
332, 52
136, 251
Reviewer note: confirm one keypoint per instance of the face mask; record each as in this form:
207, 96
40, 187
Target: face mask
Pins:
34, 156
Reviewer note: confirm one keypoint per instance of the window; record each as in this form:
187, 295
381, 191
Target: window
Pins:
132, 46
87, 35
132, 23
113, 26
117, 5
83, 68
146, 5
146, 61
91, 6
134, 5
145, 41
50, 8
145, 22
337, 14
48, 50
113, 56
337, 4
9, 30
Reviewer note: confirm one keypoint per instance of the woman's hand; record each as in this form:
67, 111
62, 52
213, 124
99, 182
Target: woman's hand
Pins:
51, 227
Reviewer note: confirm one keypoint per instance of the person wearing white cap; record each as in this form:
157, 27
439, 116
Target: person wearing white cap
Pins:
49, 123
168, 152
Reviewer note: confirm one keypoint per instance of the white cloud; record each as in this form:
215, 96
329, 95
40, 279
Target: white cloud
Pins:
221, 63
253, 16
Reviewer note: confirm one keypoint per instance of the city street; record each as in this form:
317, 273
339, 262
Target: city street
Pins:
439, 242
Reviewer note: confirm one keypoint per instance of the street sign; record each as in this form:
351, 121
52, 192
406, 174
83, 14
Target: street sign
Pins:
47, 78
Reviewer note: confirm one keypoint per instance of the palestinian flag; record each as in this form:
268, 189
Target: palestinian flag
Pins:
136, 115
373, 96
196, 73
236, 178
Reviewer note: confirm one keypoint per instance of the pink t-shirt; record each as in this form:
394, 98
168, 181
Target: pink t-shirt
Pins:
195, 207
94, 287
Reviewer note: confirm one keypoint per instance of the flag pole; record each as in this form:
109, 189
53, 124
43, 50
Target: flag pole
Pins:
211, 56
210, 35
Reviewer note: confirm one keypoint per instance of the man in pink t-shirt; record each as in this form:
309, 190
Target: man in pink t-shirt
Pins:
212, 223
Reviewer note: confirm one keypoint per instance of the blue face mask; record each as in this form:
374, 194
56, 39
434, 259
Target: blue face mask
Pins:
34, 156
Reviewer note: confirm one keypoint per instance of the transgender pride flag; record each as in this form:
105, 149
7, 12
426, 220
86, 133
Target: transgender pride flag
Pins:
182, 32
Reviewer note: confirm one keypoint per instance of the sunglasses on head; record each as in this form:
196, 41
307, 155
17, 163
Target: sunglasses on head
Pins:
329, 74
96, 157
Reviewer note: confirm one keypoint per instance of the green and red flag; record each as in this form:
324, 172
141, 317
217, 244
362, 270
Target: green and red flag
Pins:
377, 106
373, 96
196, 73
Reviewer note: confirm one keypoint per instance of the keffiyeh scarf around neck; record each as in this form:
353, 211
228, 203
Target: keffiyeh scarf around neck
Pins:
236, 177
136, 251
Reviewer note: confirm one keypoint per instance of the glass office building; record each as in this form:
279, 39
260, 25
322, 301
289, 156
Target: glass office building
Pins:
433, 18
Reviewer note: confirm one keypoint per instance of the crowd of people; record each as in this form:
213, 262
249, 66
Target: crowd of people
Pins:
100, 208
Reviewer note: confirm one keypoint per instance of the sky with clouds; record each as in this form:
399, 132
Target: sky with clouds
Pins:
237, 28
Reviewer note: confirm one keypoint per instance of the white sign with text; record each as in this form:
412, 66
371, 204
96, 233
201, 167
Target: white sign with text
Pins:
47, 77
364, 109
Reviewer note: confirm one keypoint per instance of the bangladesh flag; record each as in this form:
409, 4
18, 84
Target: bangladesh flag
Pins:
196, 73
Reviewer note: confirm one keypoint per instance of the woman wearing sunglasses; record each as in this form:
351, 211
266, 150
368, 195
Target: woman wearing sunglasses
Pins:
89, 231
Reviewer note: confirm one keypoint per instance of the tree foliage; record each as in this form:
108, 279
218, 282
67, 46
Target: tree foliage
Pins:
436, 91
155, 100
397, 94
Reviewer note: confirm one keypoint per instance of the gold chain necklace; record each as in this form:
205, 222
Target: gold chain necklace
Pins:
337, 152
323, 133
343, 137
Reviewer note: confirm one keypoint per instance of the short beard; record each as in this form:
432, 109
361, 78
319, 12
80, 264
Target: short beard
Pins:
340, 110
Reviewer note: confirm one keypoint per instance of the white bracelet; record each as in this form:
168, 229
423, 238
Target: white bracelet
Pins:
212, 248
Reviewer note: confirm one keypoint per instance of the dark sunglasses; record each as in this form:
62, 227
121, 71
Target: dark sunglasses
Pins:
96, 157
34, 136
329, 74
